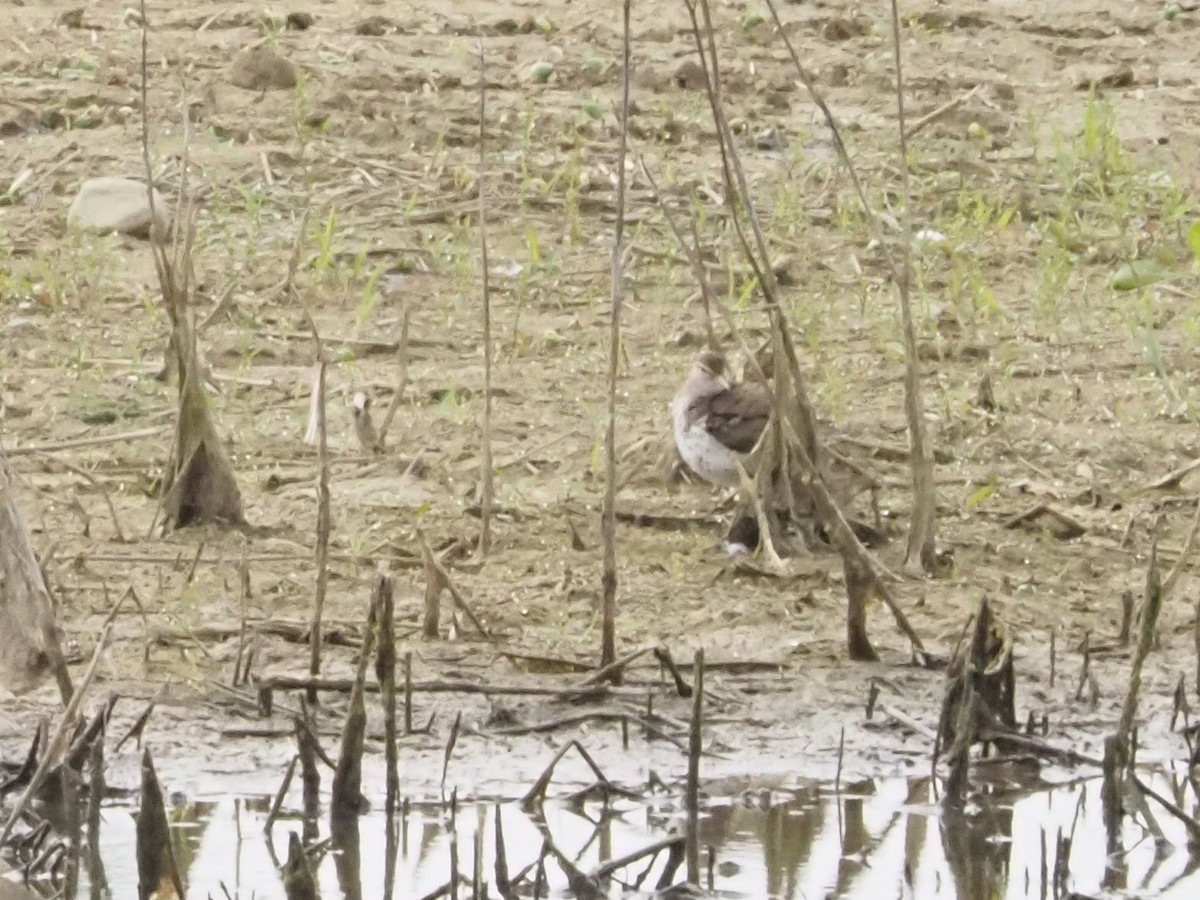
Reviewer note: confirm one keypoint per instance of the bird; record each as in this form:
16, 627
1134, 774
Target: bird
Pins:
717, 422
368, 437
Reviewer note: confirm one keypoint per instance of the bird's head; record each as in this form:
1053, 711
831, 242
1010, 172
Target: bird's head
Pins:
711, 363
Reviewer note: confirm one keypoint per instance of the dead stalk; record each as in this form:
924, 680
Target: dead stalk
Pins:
198, 485
487, 481
608, 640
346, 790
450, 742
385, 674
695, 749
408, 693
920, 554
324, 514
401, 372
158, 872
66, 727
1149, 623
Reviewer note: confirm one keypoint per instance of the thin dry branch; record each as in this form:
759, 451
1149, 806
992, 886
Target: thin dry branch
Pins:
921, 552
487, 486
608, 640
324, 513
401, 372
437, 568
1168, 585
96, 441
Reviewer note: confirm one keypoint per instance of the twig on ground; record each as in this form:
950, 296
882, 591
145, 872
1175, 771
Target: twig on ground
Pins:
930, 117
607, 672
60, 446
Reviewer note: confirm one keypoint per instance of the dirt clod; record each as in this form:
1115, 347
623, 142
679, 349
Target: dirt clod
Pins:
261, 69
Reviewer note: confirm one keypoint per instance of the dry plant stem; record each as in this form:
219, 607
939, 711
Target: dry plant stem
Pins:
30, 642
487, 485
920, 553
536, 795
443, 576
112, 510
408, 693
947, 107
385, 675
691, 250
607, 868
324, 514
774, 563
1196, 639
1190, 825
807, 448
695, 750
401, 372
198, 484
158, 873
608, 639
281, 794
288, 288
346, 789
706, 291
503, 884
66, 727
432, 609
1150, 612
835, 133
450, 742
610, 671
1168, 585
60, 446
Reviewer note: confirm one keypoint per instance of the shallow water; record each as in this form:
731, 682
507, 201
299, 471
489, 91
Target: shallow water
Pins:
885, 838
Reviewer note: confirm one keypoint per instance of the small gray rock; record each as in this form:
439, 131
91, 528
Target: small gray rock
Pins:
118, 204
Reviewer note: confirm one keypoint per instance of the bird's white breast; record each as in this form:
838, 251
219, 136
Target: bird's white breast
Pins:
704, 454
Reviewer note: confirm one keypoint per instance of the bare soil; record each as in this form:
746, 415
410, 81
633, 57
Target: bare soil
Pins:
1094, 389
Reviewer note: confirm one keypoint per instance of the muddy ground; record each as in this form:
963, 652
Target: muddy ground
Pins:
1031, 194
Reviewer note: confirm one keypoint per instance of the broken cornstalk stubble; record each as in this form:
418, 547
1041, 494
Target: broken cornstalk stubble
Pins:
198, 485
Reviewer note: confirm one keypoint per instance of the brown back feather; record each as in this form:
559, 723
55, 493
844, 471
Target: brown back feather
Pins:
738, 415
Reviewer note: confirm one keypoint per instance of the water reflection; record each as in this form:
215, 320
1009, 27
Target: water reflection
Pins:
881, 838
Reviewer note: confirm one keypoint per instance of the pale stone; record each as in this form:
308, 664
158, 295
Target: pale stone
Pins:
118, 204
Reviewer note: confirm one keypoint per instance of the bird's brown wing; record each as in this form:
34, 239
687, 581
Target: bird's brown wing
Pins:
738, 415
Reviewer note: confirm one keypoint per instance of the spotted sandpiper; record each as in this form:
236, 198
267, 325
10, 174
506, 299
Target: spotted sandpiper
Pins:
717, 423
